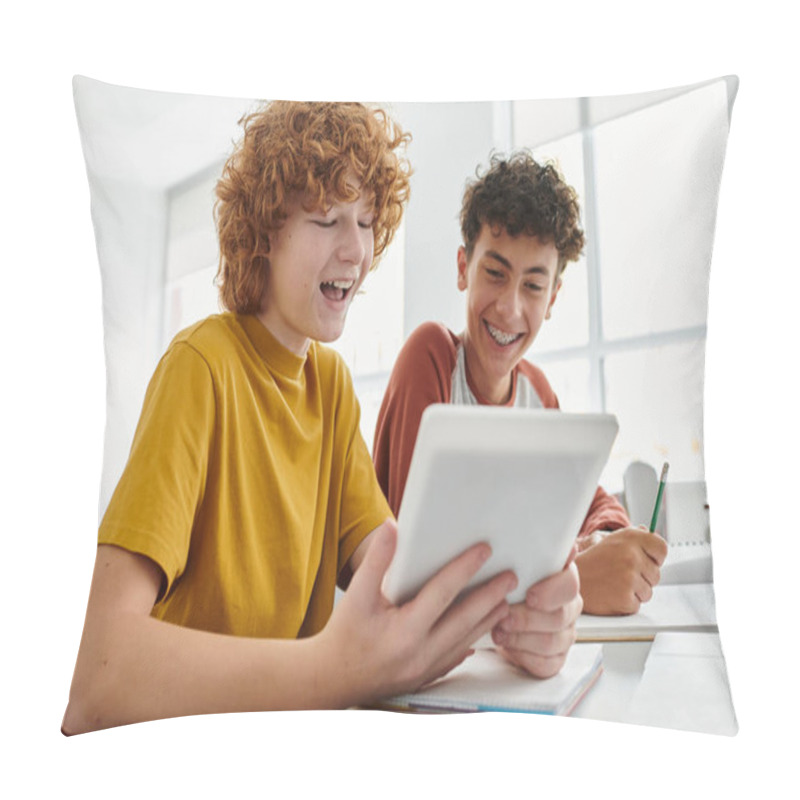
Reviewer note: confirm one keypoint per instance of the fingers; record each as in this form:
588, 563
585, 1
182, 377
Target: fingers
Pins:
442, 668
538, 642
477, 613
644, 589
652, 544
464, 623
440, 591
545, 623
523, 620
452, 664
651, 574
369, 575
641, 591
655, 547
554, 591
537, 637
538, 666
651, 556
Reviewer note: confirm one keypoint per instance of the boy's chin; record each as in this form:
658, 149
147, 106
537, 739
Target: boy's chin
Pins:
330, 336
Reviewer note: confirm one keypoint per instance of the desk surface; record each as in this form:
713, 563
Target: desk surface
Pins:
678, 681
674, 676
663, 666
668, 672
610, 698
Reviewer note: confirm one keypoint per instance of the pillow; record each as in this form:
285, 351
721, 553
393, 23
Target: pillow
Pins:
627, 334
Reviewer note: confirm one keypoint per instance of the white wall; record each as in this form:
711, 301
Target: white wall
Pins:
450, 141
142, 143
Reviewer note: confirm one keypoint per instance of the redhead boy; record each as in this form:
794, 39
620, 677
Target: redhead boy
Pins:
249, 493
520, 228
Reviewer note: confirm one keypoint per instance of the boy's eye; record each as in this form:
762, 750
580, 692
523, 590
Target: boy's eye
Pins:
329, 223
494, 273
534, 287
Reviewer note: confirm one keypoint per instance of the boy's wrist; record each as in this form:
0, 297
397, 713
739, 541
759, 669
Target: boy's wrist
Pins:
335, 682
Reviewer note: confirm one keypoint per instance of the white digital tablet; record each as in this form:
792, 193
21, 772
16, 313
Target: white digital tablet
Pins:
521, 480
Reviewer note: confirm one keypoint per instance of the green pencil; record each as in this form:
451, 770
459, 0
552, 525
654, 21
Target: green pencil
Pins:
660, 494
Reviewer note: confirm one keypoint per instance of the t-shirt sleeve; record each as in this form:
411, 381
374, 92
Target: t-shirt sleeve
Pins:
421, 376
363, 506
154, 504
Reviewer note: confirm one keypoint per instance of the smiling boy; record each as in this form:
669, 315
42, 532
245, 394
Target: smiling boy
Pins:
520, 228
249, 493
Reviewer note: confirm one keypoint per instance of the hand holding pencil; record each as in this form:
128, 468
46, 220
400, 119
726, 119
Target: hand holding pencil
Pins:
619, 570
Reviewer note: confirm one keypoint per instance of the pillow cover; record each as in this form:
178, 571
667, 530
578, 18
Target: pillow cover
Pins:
627, 334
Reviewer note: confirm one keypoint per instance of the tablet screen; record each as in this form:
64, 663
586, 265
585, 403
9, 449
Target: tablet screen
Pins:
521, 480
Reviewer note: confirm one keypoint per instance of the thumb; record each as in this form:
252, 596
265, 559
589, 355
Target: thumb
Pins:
572, 554
369, 576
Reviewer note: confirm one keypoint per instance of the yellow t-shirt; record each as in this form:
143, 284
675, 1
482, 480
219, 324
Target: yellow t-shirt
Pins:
248, 481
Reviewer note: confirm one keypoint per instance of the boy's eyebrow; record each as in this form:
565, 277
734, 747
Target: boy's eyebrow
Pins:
507, 264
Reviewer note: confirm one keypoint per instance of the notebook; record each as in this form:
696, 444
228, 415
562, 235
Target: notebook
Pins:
487, 682
689, 556
680, 607
687, 562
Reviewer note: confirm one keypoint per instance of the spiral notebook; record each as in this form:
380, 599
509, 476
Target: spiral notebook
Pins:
487, 682
687, 562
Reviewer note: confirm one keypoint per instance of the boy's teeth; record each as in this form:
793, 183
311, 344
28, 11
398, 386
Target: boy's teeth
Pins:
500, 337
336, 290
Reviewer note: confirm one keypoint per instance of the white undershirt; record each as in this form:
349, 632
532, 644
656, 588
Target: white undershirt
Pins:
461, 394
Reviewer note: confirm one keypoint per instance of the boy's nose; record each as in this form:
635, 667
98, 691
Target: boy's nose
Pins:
351, 247
508, 303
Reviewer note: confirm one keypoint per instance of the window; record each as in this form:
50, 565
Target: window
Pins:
628, 329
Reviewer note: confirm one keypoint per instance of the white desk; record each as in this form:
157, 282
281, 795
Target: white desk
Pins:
610, 698
677, 681
662, 666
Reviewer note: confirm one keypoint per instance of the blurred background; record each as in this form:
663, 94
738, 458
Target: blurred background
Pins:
628, 330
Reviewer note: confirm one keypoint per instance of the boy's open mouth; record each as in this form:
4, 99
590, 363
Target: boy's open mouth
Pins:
502, 338
336, 290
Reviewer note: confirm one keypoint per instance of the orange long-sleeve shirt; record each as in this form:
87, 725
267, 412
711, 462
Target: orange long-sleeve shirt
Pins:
423, 375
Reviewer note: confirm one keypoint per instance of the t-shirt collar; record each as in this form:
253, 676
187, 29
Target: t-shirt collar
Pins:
277, 357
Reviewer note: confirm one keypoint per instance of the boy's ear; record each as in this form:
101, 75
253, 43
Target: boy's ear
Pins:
553, 298
461, 258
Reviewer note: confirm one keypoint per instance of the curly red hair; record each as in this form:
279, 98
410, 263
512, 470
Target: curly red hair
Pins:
305, 149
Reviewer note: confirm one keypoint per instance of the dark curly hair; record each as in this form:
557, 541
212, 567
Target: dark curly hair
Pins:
302, 149
522, 196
